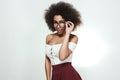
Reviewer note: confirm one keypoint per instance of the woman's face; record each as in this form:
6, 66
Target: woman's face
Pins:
59, 24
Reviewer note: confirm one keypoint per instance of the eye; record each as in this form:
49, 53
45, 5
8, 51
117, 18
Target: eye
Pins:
55, 22
62, 22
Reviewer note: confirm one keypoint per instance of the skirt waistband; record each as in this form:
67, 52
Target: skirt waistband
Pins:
61, 65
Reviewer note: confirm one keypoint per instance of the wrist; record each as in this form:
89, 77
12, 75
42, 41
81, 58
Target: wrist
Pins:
67, 35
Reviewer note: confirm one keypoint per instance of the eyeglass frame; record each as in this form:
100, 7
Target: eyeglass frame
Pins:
56, 23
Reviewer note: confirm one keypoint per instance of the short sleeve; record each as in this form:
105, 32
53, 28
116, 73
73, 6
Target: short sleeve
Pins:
72, 46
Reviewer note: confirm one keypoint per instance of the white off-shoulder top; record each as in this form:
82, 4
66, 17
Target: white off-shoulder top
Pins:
52, 51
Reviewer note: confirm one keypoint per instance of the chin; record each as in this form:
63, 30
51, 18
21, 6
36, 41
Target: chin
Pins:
59, 33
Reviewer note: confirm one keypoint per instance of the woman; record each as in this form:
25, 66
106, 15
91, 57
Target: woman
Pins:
62, 19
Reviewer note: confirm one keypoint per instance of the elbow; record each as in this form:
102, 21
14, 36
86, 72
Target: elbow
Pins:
62, 58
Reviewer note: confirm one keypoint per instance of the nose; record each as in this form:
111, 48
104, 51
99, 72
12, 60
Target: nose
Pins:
58, 26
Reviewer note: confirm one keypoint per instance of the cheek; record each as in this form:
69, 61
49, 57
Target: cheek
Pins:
55, 28
64, 27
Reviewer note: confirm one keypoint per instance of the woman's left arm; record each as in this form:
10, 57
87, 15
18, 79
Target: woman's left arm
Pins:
64, 50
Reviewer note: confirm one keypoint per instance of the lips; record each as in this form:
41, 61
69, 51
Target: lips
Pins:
59, 30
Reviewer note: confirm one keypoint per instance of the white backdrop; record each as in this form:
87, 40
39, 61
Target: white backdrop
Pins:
23, 31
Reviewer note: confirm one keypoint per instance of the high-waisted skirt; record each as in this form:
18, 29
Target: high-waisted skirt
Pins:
64, 71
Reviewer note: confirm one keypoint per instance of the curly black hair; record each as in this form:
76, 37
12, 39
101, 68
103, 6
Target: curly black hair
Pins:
66, 10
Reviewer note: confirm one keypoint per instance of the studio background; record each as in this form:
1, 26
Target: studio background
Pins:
23, 31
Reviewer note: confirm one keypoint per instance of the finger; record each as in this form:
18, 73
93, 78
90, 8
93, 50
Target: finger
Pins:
66, 24
70, 23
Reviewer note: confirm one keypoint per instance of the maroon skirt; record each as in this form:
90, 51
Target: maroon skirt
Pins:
64, 71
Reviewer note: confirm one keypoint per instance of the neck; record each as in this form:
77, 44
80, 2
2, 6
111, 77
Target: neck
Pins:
61, 35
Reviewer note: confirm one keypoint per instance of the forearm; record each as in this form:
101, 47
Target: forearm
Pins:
64, 50
48, 69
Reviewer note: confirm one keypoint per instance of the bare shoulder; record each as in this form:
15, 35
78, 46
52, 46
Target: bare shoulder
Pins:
49, 37
73, 38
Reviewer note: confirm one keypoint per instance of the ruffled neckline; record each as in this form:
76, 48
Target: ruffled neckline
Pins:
60, 44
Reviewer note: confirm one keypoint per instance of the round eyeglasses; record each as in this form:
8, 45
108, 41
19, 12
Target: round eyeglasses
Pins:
60, 23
